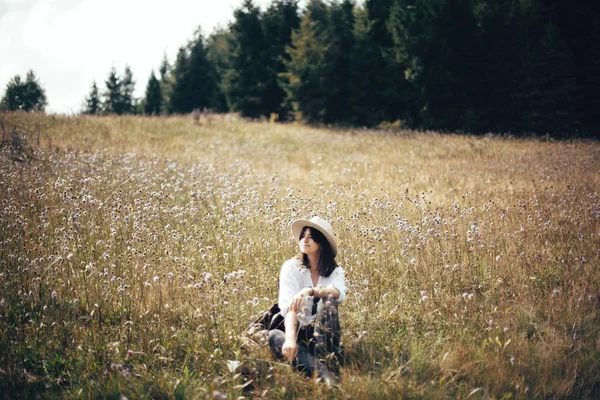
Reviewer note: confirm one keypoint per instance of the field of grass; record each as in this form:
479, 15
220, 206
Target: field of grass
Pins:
134, 251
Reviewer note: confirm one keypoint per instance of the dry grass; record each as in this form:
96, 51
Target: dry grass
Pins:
133, 251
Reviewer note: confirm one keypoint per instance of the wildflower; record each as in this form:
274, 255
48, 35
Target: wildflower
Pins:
155, 279
54, 294
556, 292
471, 296
216, 395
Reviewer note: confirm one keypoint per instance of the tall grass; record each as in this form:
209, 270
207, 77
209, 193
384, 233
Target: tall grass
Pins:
134, 251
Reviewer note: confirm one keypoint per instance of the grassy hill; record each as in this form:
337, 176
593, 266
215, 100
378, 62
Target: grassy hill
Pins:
134, 251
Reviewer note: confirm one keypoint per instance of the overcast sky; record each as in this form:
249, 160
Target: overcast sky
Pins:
71, 43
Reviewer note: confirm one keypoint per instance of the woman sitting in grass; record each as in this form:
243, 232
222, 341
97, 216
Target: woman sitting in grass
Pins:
310, 288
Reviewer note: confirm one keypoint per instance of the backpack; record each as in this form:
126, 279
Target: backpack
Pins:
271, 319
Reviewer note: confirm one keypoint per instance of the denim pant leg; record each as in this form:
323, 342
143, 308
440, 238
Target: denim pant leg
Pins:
276, 339
321, 347
306, 359
305, 362
328, 335
327, 328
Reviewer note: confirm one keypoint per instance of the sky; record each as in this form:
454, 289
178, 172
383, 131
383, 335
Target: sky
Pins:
69, 44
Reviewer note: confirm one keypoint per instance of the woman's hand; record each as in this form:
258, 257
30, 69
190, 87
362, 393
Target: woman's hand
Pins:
298, 300
289, 349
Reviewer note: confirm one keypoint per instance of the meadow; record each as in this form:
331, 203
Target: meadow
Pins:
134, 251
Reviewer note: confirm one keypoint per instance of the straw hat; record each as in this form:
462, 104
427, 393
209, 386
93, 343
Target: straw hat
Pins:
319, 224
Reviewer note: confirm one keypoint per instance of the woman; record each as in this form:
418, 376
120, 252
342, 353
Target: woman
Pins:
310, 288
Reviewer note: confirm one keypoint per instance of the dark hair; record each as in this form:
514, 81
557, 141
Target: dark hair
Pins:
327, 262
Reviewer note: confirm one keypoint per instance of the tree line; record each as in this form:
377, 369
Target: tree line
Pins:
25, 95
510, 66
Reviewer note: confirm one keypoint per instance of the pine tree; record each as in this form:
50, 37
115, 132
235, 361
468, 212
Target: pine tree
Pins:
246, 79
165, 68
166, 82
279, 21
35, 95
14, 98
179, 101
201, 82
502, 33
442, 45
153, 100
218, 54
25, 96
363, 73
194, 79
577, 38
112, 102
378, 79
384, 85
127, 89
92, 104
306, 68
341, 42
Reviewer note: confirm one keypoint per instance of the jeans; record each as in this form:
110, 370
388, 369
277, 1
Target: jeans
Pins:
316, 345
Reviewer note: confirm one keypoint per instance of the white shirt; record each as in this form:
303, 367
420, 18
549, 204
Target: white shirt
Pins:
294, 277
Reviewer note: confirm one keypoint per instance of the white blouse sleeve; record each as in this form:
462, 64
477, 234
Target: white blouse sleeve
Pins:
289, 285
338, 281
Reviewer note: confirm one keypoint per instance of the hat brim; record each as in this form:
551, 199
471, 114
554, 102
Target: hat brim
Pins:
299, 224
